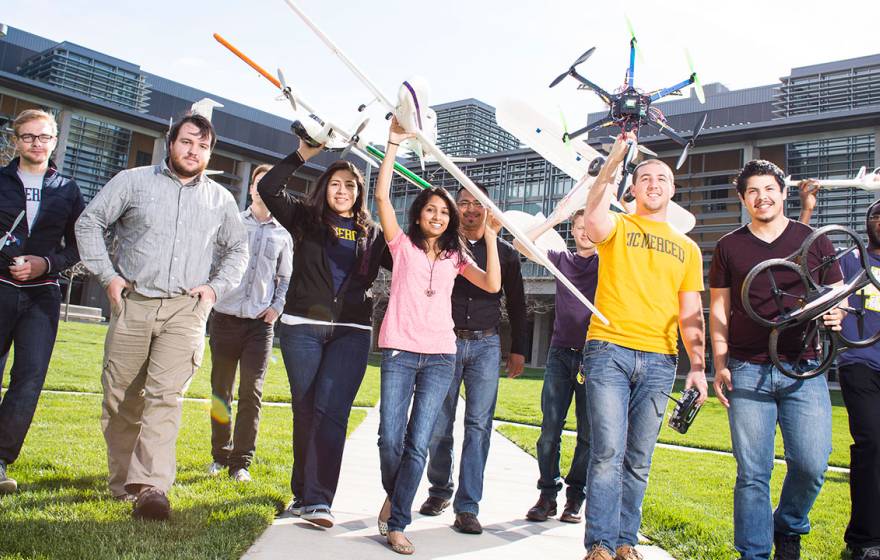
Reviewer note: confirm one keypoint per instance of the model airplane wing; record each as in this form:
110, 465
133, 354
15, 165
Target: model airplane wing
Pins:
863, 180
545, 137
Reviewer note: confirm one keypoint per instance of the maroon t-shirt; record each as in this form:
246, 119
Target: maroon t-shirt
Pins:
735, 256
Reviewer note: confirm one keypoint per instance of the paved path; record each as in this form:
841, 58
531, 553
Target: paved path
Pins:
509, 492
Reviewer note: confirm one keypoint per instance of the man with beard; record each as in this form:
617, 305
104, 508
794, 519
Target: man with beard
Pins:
477, 317
170, 220
756, 394
650, 279
39, 247
859, 373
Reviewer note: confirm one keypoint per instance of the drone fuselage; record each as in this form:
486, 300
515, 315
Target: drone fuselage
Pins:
629, 109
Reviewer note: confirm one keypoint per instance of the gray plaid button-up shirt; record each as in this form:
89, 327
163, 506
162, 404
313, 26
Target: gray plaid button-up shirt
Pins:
167, 233
267, 277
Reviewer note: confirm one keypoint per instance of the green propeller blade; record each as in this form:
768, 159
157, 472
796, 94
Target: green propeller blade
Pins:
698, 86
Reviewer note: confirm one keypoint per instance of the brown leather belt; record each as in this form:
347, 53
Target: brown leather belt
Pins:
465, 334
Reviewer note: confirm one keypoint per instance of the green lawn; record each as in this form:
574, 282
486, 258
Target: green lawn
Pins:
64, 510
519, 400
79, 349
688, 508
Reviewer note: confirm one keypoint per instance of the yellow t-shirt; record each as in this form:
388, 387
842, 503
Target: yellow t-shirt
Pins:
643, 265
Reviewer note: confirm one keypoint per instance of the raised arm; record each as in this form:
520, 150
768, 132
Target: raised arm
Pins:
387, 215
807, 189
596, 219
488, 280
285, 207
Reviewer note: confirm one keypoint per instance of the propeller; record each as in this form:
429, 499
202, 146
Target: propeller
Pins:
580, 60
566, 139
697, 130
698, 86
354, 138
632, 36
285, 89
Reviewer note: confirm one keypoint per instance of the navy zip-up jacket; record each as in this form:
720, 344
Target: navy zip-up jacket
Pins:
53, 235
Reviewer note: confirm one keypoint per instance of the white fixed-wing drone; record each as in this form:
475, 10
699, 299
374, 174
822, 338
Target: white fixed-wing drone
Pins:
316, 131
410, 111
865, 181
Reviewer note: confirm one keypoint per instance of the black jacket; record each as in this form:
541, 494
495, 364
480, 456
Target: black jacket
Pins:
311, 292
476, 310
53, 235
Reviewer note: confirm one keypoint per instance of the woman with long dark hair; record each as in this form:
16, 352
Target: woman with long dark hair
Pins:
417, 338
327, 322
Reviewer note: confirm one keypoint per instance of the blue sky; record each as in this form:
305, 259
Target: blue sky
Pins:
479, 48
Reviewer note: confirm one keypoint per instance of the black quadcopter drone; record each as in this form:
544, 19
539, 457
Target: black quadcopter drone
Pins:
801, 296
630, 108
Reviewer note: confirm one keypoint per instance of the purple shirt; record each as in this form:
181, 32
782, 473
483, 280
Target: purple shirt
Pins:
572, 316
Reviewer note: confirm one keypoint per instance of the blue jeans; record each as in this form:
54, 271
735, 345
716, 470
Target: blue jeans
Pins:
325, 366
761, 398
403, 444
625, 407
560, 385
476, 364
29, 319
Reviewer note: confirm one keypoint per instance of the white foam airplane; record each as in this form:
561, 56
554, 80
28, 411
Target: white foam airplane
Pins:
410, 110
862, 180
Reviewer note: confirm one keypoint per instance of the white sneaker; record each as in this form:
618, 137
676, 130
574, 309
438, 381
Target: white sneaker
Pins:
320, 516
241, 475
295, 508
216, 468
7, 485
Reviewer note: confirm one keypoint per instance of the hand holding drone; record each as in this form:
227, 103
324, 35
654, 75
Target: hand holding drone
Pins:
685, 410
801, 296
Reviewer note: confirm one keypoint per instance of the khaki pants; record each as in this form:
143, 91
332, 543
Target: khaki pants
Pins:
153, 348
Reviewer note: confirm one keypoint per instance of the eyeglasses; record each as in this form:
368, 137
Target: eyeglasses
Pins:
29, 138
475, 204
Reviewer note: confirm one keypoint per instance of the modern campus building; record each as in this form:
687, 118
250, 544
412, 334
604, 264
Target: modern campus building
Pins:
819, 121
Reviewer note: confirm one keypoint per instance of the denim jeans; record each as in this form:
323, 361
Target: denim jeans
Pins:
560, 385
325, 366
625, 407
30, 321
761, 398
403, 444
476, 364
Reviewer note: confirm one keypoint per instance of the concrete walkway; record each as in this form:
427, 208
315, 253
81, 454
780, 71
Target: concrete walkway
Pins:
509, 492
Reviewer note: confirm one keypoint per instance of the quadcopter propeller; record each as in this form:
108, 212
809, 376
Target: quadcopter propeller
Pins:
697, 130
635, 42
354, 138
698, 86
580, 60
566, 139
285, 89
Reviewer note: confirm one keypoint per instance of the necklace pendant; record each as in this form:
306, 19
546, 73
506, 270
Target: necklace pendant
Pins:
429, 292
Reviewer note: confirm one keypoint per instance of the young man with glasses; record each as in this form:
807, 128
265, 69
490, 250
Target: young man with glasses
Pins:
477, 317
38, 210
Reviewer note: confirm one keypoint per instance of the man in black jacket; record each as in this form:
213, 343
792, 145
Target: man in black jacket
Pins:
44, 207
477, 317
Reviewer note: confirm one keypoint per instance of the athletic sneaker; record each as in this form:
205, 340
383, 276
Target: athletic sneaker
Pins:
7, 485
320, 516
295, 507
240, 475
216, 468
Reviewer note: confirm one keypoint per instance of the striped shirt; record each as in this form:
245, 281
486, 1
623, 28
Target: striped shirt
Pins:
165, 233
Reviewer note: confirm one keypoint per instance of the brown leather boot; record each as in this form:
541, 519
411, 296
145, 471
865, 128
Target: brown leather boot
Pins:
542, 509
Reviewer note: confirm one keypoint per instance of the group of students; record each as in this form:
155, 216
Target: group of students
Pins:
180, 247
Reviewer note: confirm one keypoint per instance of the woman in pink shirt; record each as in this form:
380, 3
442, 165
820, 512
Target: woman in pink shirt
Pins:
417, 338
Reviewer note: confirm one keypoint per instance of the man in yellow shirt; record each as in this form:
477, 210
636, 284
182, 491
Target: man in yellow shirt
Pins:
650, 279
